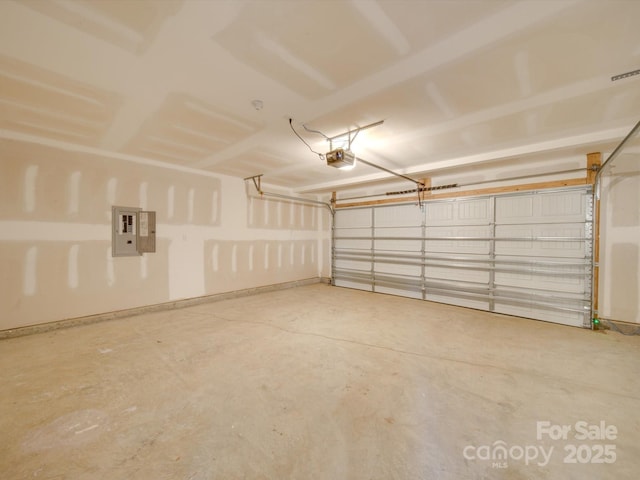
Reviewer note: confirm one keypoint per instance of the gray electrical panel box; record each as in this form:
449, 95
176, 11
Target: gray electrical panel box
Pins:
133, 231
124, 231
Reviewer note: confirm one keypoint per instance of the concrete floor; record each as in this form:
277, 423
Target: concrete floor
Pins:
317, 382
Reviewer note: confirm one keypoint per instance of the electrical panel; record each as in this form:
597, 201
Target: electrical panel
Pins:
146, 232
133, 231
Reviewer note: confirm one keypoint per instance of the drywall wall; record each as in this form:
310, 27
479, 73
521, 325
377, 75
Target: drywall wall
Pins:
55, 235
620, 240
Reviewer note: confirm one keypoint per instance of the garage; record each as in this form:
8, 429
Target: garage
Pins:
346, 239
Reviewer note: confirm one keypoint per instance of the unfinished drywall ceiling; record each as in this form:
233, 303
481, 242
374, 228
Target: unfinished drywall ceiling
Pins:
186, 129
44, 103
129, 25
456, 83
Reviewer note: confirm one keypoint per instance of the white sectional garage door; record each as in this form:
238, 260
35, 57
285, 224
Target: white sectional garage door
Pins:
526, 254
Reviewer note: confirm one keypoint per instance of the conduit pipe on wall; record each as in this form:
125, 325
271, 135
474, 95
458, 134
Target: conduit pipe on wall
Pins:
595, 255
616, 152
257, 184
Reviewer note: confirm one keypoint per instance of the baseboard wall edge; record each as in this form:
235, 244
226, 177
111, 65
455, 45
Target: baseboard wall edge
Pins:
174, 304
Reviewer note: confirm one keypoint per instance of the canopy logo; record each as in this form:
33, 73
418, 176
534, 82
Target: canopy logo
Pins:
589, 451
499, 453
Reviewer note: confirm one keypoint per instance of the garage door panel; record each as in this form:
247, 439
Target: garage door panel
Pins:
463, 293
467, 212
405, 232
440, 213
550, 283
541, 313
353, 232
557, 207
400, 292
353, 238
405, 285
390, 246
409, 270
460, 301
443, 273
551, 276
448, 244
398, 216
395, 233
541, 240
475, 231
398, 239
519, 254
474, 211
562, 207
348, 244
563, 248
540, 295
358, 285
353, 218
353, 264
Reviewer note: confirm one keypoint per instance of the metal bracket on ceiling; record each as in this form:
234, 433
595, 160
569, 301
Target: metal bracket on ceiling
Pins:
256, 182
348, 133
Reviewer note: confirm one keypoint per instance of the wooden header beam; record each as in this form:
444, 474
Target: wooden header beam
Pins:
593, 164
470, 193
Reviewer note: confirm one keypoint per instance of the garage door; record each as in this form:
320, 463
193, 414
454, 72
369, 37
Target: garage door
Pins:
525, 254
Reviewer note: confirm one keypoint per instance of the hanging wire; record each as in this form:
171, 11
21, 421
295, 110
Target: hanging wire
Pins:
321, 155
310, 130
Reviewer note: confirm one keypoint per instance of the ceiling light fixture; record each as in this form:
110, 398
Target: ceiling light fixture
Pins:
341, 158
